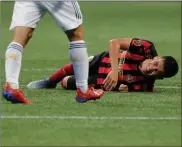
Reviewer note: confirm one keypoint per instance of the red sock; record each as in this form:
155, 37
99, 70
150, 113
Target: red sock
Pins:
61, 73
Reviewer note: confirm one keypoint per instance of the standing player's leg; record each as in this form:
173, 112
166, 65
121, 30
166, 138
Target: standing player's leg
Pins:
79, 57
25, 17
68, 16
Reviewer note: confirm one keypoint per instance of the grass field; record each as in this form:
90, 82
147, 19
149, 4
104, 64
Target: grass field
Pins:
118, 119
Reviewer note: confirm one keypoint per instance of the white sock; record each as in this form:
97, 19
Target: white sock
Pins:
79, 59
13, 64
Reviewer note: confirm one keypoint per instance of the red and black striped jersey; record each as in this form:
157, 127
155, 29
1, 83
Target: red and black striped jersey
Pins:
129, 61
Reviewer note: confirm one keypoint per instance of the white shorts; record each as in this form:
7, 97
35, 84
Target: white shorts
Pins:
67, 14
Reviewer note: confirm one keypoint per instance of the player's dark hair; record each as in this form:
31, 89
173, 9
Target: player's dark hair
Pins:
170, 67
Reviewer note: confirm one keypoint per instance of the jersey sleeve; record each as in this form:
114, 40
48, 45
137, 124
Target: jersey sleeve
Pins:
143, 48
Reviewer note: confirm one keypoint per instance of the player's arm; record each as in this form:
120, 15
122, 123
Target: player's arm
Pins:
114, 49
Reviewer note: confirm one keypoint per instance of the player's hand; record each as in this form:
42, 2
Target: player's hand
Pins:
111, 81
123, 87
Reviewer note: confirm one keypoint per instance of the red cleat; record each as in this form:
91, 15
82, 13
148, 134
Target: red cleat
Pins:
14, 95
91, 94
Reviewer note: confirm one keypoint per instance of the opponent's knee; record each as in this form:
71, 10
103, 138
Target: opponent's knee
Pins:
22, 35
76, 34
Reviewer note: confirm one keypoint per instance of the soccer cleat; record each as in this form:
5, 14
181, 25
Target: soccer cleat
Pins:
14, 95
44, 83
91, 94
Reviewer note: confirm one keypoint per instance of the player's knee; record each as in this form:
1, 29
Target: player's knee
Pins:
22, 35
76, 34
64, 82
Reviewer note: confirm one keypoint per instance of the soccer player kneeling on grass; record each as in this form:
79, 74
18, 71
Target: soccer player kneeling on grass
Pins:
130, 65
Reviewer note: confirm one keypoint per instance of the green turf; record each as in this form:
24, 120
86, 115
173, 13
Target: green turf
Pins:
48, 49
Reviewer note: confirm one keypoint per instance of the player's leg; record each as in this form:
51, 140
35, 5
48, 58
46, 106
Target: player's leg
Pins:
55, 78
79, 57
58, 75
68, 16
25, 17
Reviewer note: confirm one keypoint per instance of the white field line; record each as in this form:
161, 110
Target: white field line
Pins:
40, 69
89, 118
169, 87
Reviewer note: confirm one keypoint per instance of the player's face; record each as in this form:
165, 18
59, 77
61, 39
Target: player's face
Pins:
153, 67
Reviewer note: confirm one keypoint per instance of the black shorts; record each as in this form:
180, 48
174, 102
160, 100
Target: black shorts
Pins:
94, 65
93, 74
